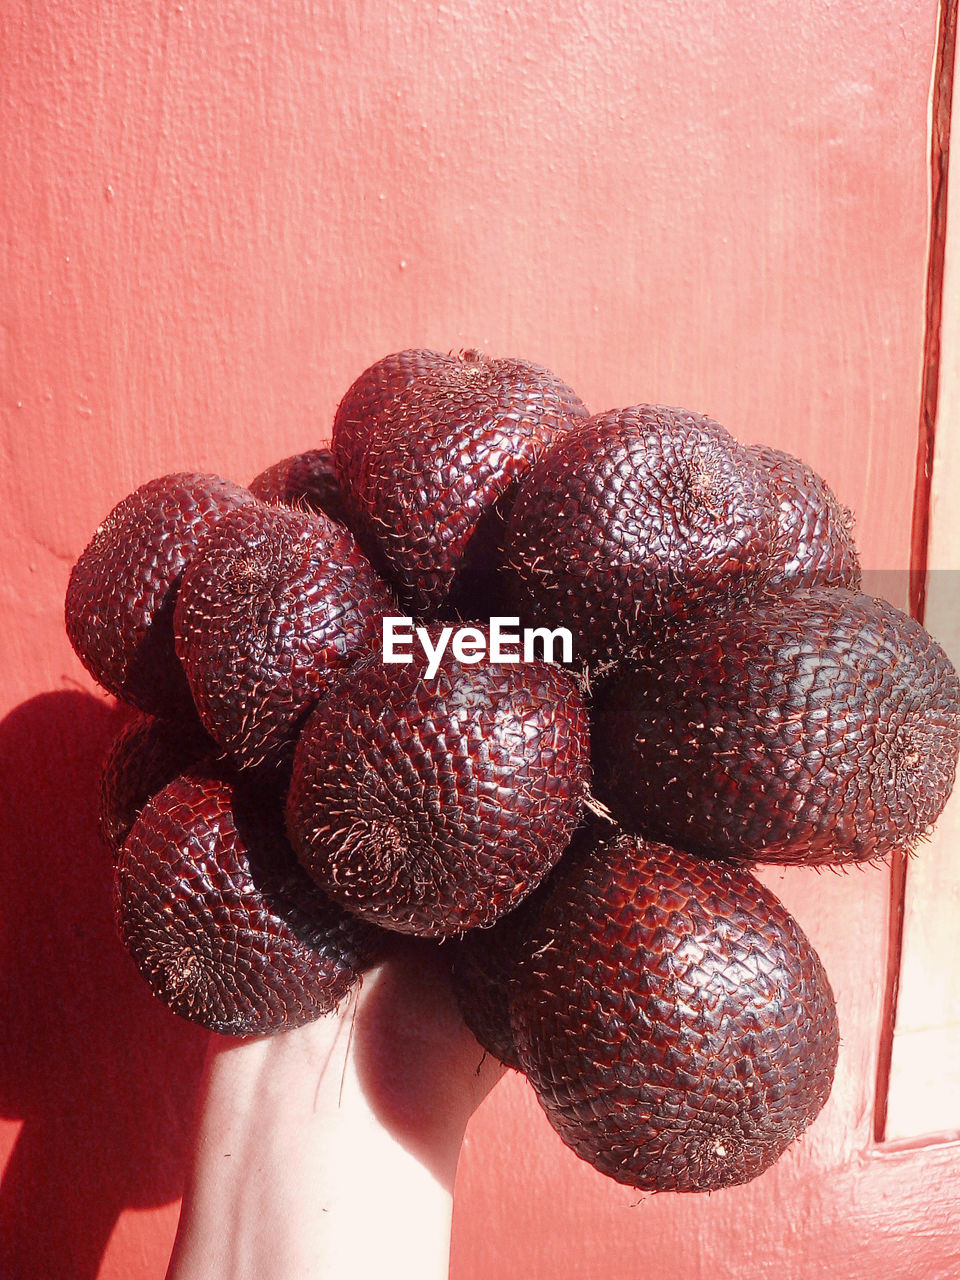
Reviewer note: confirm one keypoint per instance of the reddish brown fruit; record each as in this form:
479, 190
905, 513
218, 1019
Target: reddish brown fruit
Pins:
821, 727
222, 922
429, 446
308, 481
122, 590
145, 756
273, 606
813, 545
631, 521
488, 963
434, 805
676, 1024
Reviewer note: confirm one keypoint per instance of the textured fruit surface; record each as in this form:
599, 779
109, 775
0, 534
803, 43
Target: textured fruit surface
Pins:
631, 521
486, 965
813, 545
122, 590
822, 727
222, 921
145, 756
426, 444
480, 984
273, 606
678, 1027
306, 480
434, 805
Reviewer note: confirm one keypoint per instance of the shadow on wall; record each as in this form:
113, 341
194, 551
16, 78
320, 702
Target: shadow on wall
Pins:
104, 1078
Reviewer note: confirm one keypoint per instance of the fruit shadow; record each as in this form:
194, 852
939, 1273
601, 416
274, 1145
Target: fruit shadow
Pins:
102, 1076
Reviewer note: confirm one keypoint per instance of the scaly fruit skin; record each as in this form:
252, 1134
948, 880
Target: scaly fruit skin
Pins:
431, 806
146, 755
822, 727
676, 1024
427, 445
630, 521
813, 546
487, 963
274, 605
308, 481
222, 922
123, 588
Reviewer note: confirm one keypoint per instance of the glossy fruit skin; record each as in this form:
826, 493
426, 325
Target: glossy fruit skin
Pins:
145, 756
486, 965
813, 545
222, 922
632, 519
274, 605
821, 728
123, 588
307, 481
675, 1022
427, 445
431, 806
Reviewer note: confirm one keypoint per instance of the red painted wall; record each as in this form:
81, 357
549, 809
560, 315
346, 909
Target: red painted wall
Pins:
211, 219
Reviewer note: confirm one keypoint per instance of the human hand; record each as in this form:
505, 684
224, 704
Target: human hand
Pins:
331, 1150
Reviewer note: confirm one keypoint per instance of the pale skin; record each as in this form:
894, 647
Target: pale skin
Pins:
331, 1150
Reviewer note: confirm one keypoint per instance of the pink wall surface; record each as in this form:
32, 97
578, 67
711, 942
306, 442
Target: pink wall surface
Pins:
212, 218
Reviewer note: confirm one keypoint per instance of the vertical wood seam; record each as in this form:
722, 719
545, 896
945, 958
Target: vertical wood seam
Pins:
940, 119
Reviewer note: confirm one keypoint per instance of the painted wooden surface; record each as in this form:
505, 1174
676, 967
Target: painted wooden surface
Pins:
211, 219
924, 1094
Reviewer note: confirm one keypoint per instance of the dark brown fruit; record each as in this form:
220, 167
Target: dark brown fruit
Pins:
676, 1024
273, 606
631, 521
822, 727
487, 963
222, 922
813, 545
307, 481
427, 445
122, 590
145, 756
431, 806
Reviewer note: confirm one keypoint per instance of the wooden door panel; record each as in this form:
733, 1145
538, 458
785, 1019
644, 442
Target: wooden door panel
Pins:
213, 217
883, 1213
924, 1090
